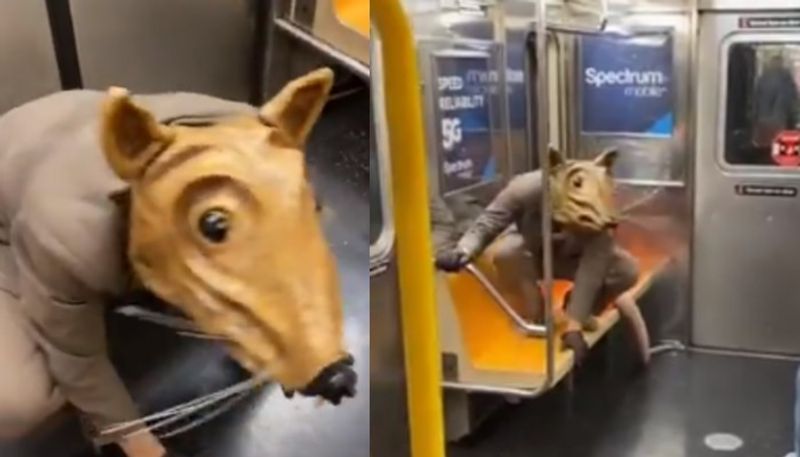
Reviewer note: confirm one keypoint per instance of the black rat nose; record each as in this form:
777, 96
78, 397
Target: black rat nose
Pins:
334, 382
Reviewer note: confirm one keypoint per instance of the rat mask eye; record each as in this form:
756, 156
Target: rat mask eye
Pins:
214, 225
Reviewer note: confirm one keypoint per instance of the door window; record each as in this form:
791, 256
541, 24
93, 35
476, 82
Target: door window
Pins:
762, 126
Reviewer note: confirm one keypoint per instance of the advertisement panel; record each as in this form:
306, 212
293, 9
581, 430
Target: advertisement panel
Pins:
463, 86
627, 85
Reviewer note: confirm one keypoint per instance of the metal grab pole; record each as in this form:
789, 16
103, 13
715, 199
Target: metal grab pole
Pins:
408, 162
542, 145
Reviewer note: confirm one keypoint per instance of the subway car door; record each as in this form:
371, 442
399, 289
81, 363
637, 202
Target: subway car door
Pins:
746, 243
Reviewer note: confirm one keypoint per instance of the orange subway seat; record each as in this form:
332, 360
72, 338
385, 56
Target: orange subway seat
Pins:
354, 14
492, 340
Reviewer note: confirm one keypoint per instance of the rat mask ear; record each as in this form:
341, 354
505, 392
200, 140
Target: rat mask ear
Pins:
555, 157
130, 136
297, 107
607, 158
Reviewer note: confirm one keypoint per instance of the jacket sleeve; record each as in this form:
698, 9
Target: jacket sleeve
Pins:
68, 319
590, 275
443, 226
501, 213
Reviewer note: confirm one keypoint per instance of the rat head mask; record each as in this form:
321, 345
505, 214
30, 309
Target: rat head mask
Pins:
583, 191
223, 225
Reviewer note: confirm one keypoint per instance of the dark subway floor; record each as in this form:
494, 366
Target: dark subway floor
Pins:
163, 369
667, 411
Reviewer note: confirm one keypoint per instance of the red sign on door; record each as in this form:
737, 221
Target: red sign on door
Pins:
786, 148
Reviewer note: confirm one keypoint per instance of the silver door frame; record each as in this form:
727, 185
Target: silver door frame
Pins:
387, 354
718, 31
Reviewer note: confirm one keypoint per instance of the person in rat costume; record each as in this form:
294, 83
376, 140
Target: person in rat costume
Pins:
583, 245
203, 202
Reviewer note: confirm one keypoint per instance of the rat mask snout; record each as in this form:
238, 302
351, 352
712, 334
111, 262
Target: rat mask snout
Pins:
333, 383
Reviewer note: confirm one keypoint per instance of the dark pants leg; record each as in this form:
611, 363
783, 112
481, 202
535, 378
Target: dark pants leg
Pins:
517, 272
620, 274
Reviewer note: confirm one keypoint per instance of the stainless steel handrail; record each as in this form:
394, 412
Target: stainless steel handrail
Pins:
357, 67
528, 328
483, 388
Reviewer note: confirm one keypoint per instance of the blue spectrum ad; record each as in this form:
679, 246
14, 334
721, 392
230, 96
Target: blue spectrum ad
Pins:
627, 85
463, 117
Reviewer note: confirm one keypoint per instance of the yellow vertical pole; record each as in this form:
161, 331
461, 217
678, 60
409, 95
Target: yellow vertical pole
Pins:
412, 228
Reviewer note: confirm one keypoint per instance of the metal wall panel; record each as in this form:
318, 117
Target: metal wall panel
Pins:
652, 173
389, 432
745, 255
654, 161
166, 45
28, 66
744, 5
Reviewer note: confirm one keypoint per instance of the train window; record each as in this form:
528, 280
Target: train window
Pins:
762, 103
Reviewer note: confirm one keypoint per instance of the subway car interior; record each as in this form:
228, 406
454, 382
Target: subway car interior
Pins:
244, 51
699, 101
